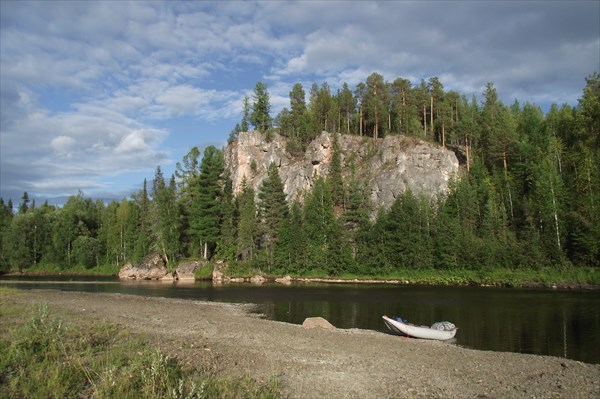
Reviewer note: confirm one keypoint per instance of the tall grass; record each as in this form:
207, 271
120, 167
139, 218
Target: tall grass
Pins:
47, 358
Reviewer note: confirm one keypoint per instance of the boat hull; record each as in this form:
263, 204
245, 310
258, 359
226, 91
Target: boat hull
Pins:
417, 331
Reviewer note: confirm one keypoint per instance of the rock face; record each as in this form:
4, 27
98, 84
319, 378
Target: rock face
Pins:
152, 267
387, 166
317, 322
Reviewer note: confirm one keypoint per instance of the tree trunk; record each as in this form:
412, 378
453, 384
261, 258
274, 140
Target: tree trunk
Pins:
361, 121
348, 122
467, 151
555, 215
424, 120
505, 160
376, 132
443, 133
431, 114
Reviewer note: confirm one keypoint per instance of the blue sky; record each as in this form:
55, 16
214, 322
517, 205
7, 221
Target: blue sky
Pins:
95, 95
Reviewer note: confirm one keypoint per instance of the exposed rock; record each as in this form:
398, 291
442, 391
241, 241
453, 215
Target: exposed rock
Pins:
257, 279
388, 166
126, 271
286, 280
218, 275
186, 270
314, 322
152, 267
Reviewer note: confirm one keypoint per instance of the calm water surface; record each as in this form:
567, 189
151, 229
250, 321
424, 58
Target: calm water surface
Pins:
538, 321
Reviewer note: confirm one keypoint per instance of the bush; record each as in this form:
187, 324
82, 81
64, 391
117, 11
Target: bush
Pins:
85, 251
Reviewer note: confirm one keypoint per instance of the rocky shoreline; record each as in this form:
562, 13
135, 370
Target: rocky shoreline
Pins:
324, 363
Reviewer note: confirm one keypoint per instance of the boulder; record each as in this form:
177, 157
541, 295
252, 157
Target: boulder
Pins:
218, 275
127, 272
152, 267
314, 322
257, 279
286, 280
186, 270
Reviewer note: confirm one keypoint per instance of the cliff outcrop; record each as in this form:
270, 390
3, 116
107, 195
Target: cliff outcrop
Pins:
388, 166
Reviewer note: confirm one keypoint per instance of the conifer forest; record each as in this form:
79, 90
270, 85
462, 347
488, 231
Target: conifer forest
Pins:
527, 197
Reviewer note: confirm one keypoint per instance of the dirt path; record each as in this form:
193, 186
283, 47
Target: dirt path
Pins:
319, 363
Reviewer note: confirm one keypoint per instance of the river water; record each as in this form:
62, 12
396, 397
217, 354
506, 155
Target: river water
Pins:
539, 321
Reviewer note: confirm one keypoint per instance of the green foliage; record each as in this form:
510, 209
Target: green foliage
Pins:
261, 108
247, 224
273, 209
205, 217
85, 251
529, 197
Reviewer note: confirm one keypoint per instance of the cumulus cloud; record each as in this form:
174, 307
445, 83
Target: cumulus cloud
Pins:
91, 90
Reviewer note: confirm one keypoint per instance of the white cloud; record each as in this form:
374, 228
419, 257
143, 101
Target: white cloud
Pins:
91, 89
133, 142
63, 145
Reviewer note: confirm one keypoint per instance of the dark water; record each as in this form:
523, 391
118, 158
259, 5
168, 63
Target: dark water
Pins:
544, 322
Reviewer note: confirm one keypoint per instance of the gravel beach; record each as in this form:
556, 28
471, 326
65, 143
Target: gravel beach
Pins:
318, 363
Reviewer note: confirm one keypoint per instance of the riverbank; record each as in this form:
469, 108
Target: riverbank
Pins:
315, 363
573, 278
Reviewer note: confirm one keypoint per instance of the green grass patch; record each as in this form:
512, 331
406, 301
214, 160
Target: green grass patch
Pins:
548, 277
204, 272
55, 269
45, 357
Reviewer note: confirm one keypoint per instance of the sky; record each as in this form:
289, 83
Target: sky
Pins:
95, 95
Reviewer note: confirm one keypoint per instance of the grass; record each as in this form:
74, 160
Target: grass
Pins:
548, 276
54, 269
46, 357
494, 277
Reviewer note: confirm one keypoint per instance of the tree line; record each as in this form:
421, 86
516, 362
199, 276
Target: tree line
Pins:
529, 196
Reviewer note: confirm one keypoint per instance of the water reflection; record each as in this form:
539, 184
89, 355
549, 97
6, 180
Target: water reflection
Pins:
547, 322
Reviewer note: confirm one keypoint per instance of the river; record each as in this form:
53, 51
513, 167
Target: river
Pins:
561, 323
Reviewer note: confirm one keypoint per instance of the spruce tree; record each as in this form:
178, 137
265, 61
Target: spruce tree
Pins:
260, 116
273, 208
206, 209
247, 223
227, 244
143, 242
336, 180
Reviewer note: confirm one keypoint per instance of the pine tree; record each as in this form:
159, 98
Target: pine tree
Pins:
298, 110
377, 98
347, 104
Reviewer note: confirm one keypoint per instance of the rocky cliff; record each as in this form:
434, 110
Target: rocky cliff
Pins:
387, 166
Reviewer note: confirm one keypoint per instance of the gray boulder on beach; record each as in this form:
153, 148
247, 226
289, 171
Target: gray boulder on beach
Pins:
152, 267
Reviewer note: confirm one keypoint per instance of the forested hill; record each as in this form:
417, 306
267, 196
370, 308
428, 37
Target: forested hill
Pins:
529, 195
